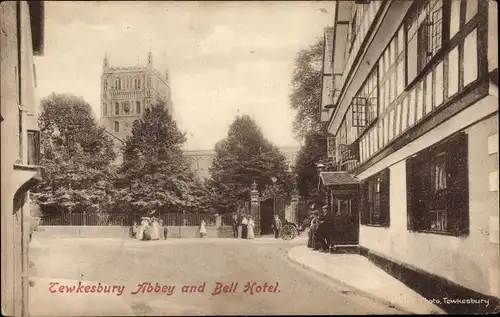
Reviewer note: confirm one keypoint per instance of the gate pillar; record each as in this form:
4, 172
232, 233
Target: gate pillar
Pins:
295, 207
255, 207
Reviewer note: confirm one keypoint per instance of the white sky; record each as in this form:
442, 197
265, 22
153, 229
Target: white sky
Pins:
224, 58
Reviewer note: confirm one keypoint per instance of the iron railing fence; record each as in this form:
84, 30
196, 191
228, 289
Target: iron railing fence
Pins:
128, 219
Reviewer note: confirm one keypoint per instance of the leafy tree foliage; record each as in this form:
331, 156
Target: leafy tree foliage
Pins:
306, 88
76, 155
312, 152
241, 158
154, 172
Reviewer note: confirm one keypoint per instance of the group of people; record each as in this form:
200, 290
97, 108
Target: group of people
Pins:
247, 225
319, 230
151, 228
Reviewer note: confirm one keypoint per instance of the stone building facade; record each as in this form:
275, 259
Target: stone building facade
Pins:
21, 38
126, 92
201, 160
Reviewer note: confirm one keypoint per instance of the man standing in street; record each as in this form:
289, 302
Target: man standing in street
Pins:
235, 224
276, 226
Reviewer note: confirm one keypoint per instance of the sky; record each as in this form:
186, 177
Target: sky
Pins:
224, 58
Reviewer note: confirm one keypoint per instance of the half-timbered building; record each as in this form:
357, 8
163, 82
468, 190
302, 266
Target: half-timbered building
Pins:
413, 118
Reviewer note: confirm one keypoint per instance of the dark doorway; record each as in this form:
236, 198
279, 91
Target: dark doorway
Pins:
345, 218
266, 216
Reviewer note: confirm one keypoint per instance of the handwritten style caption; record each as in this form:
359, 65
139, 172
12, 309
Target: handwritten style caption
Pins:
250, 288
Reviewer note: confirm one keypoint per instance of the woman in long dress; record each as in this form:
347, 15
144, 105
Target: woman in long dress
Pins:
162, 230
144, 225
251, 226
244, 227
155, 229
203, 229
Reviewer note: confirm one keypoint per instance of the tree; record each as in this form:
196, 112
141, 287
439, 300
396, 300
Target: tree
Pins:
76, 155
306, 88
313, 151
154, 172
243, 157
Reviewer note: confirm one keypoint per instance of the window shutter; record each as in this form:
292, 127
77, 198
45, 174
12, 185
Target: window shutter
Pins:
458, 177
385, 187
363, 203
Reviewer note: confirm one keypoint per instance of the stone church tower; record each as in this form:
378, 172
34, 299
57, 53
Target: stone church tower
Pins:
126, 92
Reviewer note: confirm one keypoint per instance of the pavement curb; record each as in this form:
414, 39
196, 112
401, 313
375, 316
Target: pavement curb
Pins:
354, 289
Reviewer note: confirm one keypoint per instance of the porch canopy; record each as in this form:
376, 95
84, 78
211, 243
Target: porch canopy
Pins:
339, 182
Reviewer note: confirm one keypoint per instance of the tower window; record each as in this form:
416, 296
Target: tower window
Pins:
138, 107
126, 107
136, 83
117, 83
117, 108
117, 126
104, 109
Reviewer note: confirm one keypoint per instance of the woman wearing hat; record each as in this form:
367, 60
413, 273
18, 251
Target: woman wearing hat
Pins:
312, 229
244, 227
251, 226
142, 229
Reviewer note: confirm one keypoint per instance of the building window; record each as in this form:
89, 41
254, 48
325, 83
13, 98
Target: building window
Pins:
116, 126
424, 29
437, 188
375, 200
117, 108
33, 147
359, 111
138, 107
365, 103
118, 84
126, 108
104, 109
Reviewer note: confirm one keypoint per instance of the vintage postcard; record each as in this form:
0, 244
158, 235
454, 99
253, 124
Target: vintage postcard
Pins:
249, 157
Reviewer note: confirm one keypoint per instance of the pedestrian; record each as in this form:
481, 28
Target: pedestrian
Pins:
234, 224
162, 230
244, 227
141, 230
203, 229
276, 226
251, 226
312, 229
135, 228
323, 228
155, 229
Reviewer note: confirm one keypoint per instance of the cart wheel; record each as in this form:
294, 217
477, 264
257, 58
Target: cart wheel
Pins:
288, 232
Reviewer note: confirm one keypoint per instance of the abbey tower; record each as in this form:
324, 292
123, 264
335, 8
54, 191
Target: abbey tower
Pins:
127, 91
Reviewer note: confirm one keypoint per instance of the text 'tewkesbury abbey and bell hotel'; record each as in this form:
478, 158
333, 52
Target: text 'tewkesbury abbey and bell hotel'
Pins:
410, 101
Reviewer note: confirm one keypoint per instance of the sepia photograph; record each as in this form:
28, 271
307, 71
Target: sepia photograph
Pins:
249, 158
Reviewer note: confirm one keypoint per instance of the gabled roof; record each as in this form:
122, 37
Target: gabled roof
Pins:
337, 178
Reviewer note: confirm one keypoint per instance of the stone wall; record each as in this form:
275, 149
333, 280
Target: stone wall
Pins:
125, 232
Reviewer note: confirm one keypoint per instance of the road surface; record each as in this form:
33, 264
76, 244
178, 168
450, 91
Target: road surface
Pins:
194, 263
